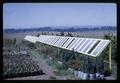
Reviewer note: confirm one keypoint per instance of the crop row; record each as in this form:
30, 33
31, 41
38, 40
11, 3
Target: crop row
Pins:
16, 64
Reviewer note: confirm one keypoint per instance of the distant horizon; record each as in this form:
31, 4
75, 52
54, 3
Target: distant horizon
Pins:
34, 15
62, 27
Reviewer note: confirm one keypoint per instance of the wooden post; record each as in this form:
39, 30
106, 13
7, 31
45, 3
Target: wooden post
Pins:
110, 57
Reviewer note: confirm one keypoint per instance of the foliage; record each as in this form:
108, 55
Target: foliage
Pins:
75, 64
61, 72
8, 42
113, 45
14, 40
38, 35
62, 33
69, 34
46, 50
14, 62
44, 33
51, 62
31, 45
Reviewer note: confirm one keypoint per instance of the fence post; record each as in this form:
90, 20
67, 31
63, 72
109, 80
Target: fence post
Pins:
110, 57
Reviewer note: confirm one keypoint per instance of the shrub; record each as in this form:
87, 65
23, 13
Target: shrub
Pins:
114, 46
69, 34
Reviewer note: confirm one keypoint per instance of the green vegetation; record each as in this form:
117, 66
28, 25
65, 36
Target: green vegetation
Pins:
114, 46
16, 59
71, 59
59, 69
69, 34
114, 54
62, 33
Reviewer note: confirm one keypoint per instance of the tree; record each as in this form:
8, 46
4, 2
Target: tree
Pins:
69, 34
44, 33
57, 34
113, 44
38, 35
52, 33
62, 33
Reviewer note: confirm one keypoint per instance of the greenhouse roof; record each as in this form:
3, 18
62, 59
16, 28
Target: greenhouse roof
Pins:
87, 46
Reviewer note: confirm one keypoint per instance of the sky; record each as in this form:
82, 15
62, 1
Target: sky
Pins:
29, 15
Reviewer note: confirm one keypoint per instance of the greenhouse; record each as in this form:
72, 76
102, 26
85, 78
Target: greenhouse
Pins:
90, 64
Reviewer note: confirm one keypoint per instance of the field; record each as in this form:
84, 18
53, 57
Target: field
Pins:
86, 34
30, 62
17, 60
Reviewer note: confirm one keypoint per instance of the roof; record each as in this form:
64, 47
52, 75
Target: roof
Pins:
88, 46
32, 39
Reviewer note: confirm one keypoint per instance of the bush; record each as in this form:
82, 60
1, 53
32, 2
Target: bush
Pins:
107, 71
62, 34
69, 34
50, 62
113, 44
31, 45
61, 72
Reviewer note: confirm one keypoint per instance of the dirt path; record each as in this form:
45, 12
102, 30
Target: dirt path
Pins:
43, 65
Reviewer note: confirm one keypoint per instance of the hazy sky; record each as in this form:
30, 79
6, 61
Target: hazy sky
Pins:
27, 15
